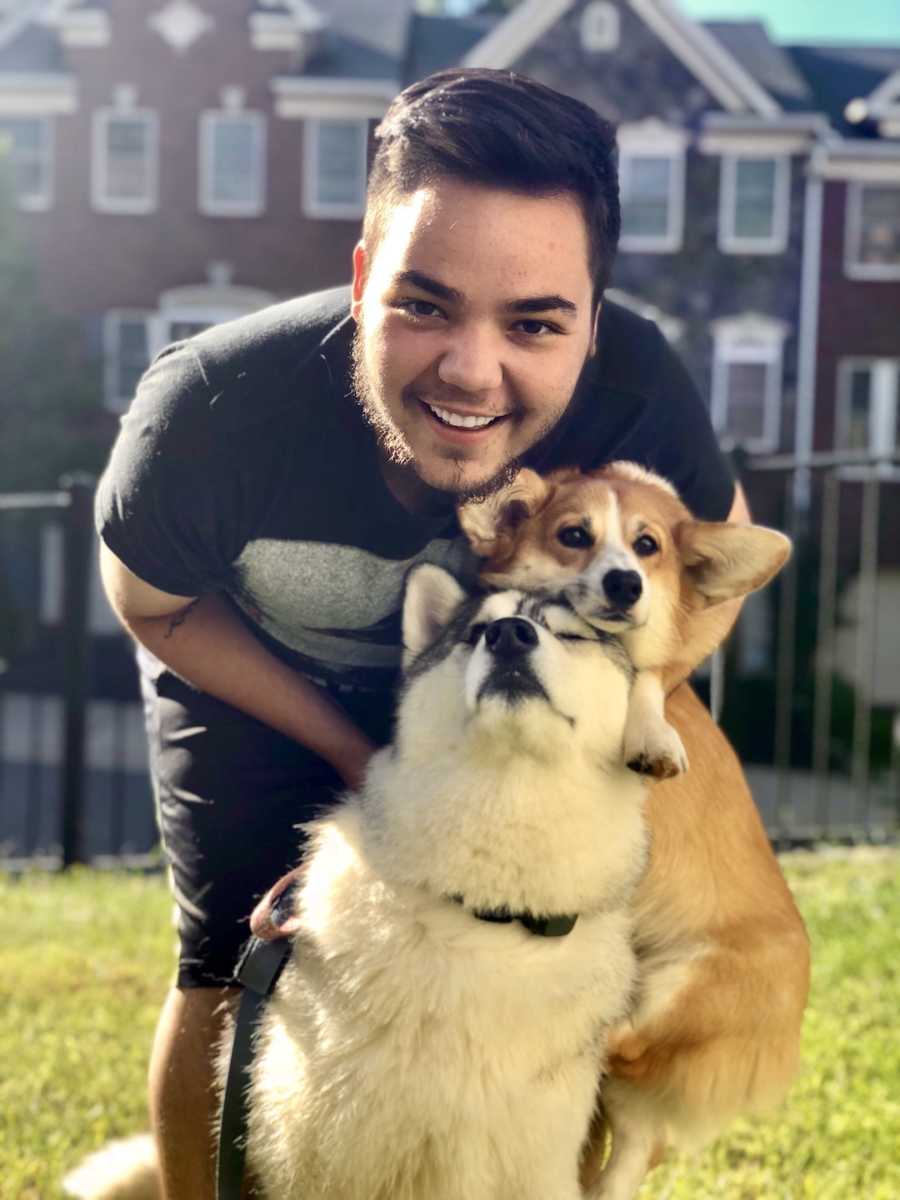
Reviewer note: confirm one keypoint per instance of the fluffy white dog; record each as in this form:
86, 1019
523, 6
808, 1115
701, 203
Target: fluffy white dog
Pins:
417, 1047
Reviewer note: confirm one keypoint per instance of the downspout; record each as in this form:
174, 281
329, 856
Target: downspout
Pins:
810, 285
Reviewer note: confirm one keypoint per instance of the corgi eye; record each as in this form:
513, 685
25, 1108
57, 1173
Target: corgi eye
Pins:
575, 537
646, 545
475, 633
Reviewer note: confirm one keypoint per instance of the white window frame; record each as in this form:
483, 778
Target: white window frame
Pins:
100, 198
774, 243
600, 27
313, 207
652, 139
884, 400
40, 201
748, 340
208, 204
112, 320
853, 268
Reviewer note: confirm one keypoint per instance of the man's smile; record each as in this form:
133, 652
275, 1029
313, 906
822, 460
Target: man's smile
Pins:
456, 423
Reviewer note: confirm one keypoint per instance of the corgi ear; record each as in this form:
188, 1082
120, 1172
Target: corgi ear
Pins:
431, 598
485, 522
725, 561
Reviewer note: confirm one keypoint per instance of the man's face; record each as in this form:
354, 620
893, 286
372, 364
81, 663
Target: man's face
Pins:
474, 321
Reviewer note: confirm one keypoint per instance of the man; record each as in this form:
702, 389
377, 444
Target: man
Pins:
276, 478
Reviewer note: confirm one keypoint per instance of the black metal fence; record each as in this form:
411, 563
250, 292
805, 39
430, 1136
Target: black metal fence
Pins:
808, 688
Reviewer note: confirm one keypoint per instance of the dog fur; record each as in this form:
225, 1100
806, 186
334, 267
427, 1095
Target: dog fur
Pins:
724, 956
575, 531
412, 1051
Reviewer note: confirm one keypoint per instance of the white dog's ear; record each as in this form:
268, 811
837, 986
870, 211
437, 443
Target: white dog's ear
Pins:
485, 522
725, 561
431, 598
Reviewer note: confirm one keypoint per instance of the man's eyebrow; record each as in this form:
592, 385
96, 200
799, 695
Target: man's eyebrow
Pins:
538, 304
426, 284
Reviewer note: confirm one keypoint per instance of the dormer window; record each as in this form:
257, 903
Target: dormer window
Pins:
125, 160
753, 203
26, 143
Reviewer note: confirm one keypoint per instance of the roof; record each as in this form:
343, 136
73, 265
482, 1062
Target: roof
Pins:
837, 74
437, 42
32, 47
340, 57
769, 64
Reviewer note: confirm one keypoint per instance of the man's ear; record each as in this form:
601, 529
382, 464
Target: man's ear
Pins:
486, 522
360, 275
725, 561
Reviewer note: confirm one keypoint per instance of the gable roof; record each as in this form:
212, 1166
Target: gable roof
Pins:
437, 42
839, 74
708, 61
770, 64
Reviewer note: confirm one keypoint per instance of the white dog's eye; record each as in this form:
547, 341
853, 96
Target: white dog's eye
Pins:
645, 545
576, 537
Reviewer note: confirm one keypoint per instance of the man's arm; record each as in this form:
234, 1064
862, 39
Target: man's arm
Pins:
205, 642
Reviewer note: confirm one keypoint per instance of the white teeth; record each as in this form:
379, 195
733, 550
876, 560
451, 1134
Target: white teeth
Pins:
450, 418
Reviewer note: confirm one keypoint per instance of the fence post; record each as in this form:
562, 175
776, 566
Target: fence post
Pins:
77, 545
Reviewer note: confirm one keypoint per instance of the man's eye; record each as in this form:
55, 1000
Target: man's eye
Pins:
475, 633
646, 545
534, 328
420, 308
575, 537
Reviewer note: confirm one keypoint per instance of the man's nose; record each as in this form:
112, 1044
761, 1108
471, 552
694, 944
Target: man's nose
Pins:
472, 361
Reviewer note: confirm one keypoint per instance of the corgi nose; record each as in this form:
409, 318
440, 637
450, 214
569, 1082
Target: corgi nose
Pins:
510, 636
623, 588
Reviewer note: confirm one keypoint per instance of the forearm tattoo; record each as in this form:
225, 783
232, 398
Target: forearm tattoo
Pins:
180, 617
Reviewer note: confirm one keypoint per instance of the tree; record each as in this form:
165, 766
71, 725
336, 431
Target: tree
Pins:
51, 419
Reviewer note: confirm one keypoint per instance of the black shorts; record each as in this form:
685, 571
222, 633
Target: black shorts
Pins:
230, 793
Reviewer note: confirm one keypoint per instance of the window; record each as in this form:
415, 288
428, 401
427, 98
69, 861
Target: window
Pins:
28, 143
126, 151
232, 164
872, 242
746, 381
753, 204
126, 353
868, 413
600, 27
651, 179
335, 154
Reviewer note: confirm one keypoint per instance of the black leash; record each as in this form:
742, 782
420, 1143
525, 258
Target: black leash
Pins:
257, 972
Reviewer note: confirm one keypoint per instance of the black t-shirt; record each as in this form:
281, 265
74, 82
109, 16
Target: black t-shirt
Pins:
244, 465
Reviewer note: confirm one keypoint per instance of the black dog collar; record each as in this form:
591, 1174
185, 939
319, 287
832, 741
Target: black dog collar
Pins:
555, 925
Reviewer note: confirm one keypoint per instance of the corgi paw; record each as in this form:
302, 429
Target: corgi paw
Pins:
656, 751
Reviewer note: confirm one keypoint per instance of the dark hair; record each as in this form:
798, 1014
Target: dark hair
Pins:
503, 130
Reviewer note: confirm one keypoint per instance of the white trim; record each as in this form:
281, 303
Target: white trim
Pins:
807, 350
708, 60
672, 327
774, 242
100, 199
853, 268
86, 28
230, 298
754, 145
206, 200
886, 92
342, 99
866, 161
751, 338
884, 398
652, 139
312, 207
275, 31
37, 95
44, 201
517, 33
181, 23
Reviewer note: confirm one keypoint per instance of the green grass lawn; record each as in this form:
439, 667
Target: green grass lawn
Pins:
85, 960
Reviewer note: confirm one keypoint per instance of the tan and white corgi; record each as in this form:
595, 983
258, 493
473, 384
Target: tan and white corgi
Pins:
722, 950
632, 561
